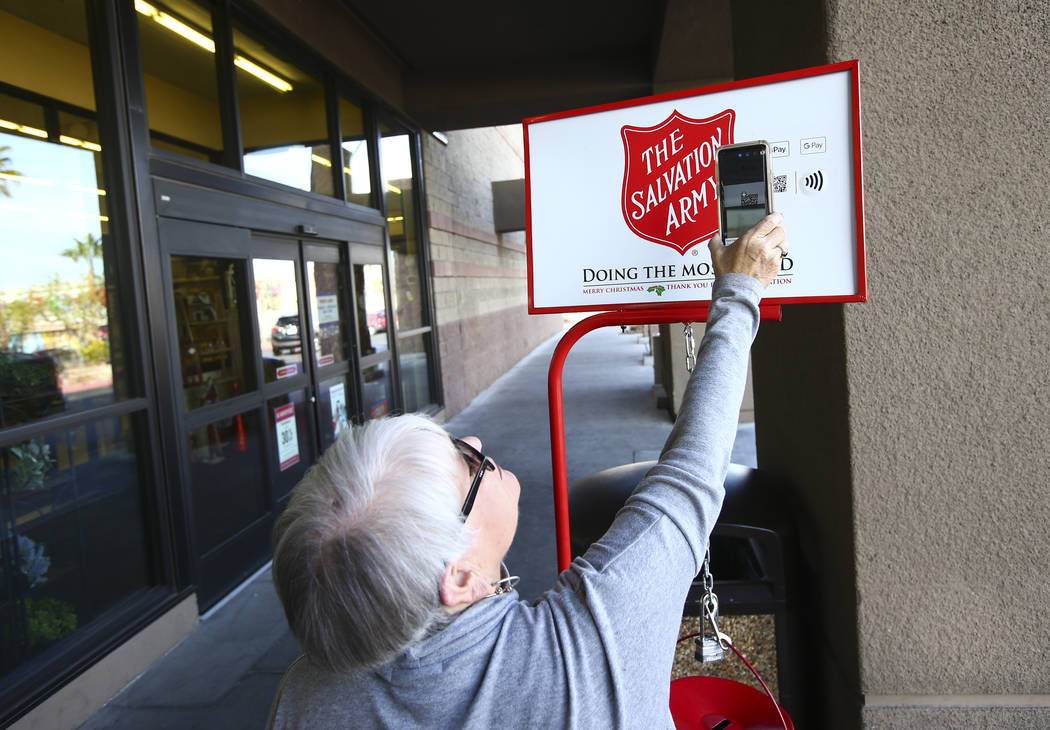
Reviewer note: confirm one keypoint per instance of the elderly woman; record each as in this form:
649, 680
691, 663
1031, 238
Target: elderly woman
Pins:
388, 564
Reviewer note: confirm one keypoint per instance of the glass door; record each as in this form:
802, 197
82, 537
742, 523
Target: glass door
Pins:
327, 302
372, 332
239, 325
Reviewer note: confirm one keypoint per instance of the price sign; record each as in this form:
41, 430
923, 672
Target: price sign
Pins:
287, 436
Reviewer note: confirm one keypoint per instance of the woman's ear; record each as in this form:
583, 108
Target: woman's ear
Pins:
462, 585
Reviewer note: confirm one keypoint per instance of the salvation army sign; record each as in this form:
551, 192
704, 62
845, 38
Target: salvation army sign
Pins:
669, 178
622, 199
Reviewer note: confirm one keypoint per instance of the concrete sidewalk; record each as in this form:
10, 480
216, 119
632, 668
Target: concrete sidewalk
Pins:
224, 675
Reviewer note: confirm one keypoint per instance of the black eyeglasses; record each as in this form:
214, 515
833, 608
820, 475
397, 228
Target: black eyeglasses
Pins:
477, 464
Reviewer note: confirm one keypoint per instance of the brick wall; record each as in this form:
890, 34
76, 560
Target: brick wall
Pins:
480, 289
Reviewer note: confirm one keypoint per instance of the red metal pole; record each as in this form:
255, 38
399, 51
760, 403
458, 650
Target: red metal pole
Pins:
557, 406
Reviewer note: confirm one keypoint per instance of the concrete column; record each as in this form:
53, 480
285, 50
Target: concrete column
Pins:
915, 426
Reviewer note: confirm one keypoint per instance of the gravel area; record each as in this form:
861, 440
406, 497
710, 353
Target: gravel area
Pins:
755, 637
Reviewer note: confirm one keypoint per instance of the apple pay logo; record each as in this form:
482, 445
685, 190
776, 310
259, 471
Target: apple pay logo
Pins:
779, 149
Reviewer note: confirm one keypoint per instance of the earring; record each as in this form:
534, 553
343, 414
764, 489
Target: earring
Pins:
506, 582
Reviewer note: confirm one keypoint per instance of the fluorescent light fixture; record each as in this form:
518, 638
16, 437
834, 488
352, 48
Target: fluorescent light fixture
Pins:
74, 142
395, 218
4, 124
200, 39
259, 72
53, 211
321, 161
81, 189
391, 188
24, 179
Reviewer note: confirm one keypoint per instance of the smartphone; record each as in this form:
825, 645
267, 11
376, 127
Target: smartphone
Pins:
745, 192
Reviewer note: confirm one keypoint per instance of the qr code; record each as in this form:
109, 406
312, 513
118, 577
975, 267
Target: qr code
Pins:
780, 183
749, 198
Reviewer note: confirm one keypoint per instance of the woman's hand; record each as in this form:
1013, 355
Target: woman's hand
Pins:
757, 253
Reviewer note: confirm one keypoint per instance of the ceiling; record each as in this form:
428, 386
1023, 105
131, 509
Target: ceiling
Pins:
471, 63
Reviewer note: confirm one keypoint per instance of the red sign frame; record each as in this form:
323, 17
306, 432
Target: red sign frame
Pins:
853, 67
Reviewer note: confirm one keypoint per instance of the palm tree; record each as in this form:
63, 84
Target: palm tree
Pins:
88, 248
5, 161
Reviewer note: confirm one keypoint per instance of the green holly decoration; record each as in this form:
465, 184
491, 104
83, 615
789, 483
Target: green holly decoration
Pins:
658, 289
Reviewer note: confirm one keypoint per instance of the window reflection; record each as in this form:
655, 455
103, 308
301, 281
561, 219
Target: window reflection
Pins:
284, 124
377, 390
72, 537
280, 326
335, 409
372, 332
60, 345
226, 475
396, 165
325, 309
208, 318
415, 378
355, 153
178, 62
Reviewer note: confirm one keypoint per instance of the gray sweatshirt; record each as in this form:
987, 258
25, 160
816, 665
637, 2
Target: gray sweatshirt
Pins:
596, 650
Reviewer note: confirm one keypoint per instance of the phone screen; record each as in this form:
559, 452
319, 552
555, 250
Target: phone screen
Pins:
742, 175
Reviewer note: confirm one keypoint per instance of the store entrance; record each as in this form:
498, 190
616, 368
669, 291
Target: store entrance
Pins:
267, 376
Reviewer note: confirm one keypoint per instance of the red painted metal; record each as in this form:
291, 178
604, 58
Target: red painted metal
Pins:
556, 404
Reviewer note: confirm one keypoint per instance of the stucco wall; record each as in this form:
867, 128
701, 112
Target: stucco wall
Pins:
922, 460
480, 289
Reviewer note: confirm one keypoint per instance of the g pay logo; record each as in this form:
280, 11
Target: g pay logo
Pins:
813, 145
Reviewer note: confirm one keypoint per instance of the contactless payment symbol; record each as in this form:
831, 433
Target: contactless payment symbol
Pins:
669, 192
812, 183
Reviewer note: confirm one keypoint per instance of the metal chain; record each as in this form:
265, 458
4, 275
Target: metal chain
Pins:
690, 347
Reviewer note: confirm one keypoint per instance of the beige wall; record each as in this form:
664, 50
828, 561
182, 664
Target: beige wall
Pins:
76, 702
480, 289
915, 425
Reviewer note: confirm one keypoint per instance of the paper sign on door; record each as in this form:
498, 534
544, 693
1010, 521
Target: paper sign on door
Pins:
287, 436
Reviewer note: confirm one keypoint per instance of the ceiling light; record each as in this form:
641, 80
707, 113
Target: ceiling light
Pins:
200, 39
23, 129
320, 160
22, 178
259, 72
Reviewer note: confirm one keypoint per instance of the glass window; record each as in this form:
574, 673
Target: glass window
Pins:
209, 324
44, 49
225, 473
60, 337
325, 308
396, 164
284, 125
280, 326
333, 400
415, 372
178, 63
289, 440
72, 537
371, 309
355, 153
377, 390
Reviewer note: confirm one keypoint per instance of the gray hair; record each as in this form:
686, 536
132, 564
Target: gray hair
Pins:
360, 550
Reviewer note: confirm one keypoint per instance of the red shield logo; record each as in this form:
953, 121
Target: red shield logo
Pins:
669, 190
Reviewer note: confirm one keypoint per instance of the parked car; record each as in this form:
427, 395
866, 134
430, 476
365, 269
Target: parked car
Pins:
285, 335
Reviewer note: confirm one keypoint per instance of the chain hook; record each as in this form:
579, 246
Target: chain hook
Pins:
690, 346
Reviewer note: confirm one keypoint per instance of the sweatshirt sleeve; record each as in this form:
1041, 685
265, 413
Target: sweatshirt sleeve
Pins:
618, 608
687, 484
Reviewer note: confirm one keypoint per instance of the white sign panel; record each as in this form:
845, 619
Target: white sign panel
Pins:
287, 436
622, 199
337, 394
327, 308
